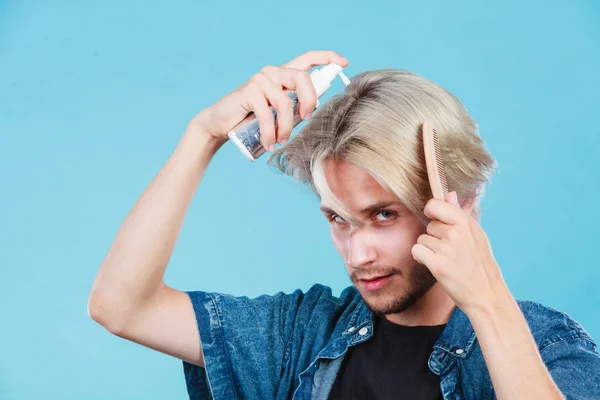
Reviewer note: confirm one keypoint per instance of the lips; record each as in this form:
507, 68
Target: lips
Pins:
373, 279
375, 283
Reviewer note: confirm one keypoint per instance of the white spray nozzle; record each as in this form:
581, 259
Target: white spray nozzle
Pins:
344, 78
323, 77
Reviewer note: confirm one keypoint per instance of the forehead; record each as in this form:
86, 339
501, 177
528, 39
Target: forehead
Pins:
354, 186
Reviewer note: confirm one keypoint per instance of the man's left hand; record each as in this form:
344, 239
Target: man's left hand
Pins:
457, 252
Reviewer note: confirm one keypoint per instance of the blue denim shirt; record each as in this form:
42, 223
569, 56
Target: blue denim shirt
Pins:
290, 346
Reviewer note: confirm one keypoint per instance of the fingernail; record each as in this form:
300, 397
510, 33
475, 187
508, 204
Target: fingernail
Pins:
271, 147
284, 141
307, 116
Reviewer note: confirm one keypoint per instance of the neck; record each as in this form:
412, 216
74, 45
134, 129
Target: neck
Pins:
434, 308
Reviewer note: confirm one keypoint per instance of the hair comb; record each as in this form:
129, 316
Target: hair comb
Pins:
433, 160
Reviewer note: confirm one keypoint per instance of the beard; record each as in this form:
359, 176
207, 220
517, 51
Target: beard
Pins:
419, 282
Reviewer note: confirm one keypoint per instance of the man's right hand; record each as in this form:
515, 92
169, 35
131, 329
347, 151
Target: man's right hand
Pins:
259, 93
129, 296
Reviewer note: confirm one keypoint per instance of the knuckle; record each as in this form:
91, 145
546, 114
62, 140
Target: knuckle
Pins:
258, 78
302, 73
430, 227
452, 234
264, 122
265, 113
445, 247
275, 102
427, 206
441, 273
281, 103
251, 87
267, 69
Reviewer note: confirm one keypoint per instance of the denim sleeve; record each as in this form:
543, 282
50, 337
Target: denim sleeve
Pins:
574, 363
243, 343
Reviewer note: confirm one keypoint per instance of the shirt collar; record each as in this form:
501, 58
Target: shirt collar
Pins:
457, 339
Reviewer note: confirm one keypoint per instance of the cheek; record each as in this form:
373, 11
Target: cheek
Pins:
391, 242
339, 243
397, 241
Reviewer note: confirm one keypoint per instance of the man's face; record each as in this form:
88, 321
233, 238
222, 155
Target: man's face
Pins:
382, 246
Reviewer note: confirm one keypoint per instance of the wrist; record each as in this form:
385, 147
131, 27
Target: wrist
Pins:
196, 144
197, 130
498, 301
499, 318
202, 124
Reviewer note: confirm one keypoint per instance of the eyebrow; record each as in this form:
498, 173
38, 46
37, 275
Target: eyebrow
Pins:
368, 210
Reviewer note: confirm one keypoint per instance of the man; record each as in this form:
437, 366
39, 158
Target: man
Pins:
429, 315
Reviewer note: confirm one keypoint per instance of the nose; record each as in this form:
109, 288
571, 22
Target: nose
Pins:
360, 249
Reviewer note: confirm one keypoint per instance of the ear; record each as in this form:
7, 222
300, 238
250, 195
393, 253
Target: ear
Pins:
467, 205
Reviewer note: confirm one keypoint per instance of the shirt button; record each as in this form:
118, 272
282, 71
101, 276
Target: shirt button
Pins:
363, 331
351, 329
459, 351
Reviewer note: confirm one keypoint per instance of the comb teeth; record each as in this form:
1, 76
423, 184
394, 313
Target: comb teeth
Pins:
440, 164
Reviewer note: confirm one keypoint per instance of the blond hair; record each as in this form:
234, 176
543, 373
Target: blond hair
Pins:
376, 124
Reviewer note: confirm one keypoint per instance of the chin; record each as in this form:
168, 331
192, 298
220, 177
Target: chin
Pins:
382, 300
380, 306
394, 299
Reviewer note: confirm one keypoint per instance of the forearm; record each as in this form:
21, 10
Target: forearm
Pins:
510, 352
133, 269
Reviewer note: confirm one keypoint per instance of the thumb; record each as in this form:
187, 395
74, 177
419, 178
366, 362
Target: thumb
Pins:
452, 198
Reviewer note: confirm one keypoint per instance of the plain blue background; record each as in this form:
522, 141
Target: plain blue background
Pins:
94, 96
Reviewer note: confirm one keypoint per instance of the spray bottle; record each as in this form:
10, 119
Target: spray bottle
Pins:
246, 135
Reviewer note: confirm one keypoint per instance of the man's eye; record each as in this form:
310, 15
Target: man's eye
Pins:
336, 218
386, 214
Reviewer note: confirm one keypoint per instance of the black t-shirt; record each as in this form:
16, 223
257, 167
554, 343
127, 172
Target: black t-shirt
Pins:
390, 365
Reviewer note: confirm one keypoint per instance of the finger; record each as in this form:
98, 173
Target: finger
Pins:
439, 230
256, 102
281, 103
430, 242
478, 234
282, 77
307, 95
444, 212
452, 198
298, 80
425, 256
316, 57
